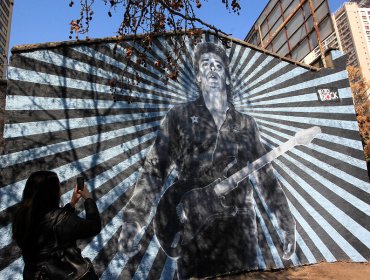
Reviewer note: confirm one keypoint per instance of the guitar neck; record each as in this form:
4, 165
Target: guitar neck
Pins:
231, 182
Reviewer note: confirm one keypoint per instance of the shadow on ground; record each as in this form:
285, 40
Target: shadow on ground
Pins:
321, 271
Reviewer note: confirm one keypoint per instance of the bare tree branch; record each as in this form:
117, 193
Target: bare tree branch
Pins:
148, 17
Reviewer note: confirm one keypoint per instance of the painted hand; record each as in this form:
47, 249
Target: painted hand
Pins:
289, 244
128, 241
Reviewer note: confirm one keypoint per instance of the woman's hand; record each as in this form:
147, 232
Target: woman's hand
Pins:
85, 193
75, 197
77, 194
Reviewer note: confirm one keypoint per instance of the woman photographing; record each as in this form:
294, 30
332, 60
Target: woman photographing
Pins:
47, 233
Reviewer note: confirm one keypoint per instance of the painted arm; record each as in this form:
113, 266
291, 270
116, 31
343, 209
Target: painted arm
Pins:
271, 192
148, 188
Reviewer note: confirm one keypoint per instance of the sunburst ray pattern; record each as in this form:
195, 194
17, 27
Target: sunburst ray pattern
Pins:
61, 117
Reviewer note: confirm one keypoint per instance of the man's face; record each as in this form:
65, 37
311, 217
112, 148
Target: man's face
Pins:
212, 72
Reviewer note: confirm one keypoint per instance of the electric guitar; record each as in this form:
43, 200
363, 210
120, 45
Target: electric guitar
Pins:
184, 209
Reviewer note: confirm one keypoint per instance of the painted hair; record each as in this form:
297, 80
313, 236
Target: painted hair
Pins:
207, 47
40, 196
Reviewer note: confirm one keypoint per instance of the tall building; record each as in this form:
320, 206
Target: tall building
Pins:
353, 25
362, 3
6, 12
299, 29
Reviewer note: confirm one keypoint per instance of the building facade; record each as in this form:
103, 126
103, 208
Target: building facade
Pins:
353, 25
301, 30
362, 3
6, 12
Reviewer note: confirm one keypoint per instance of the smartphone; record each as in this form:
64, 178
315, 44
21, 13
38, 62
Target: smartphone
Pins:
80, 183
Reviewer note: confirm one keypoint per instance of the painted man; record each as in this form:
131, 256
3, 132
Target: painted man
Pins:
205, 140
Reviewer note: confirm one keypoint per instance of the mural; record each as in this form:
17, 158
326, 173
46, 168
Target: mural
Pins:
247, 161
204, 223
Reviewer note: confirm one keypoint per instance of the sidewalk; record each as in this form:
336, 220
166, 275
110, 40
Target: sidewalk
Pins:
322, 271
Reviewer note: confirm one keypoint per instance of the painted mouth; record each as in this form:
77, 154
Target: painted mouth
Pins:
213, 76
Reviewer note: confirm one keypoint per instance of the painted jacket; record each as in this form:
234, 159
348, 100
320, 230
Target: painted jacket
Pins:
189, 142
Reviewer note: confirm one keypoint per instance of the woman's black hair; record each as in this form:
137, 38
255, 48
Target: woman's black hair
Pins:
40, 196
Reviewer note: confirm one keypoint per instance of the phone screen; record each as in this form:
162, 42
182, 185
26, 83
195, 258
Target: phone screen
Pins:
80, 183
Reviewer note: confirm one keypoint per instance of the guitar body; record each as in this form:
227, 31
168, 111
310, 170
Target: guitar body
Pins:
166, 222
184, 211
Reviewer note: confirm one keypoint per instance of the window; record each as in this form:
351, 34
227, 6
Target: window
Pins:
5, 19
284, 4
301, 51
5, 8
307, 9
325, 28
277, 24
291, 8
297, 36
264, 29
284, 50
313, 39
321, 12
279, 40
253, 39
274, 15
309, 23
269, 48
270, 6
296, 21
316, 3
2, 40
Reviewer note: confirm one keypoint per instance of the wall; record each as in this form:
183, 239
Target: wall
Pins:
61, 116
3, 85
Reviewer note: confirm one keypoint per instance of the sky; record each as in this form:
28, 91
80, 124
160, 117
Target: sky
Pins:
41, 21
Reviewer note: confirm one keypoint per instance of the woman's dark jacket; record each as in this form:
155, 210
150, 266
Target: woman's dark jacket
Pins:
70, 227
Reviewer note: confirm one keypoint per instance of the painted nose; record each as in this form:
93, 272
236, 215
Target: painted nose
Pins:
212, 67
